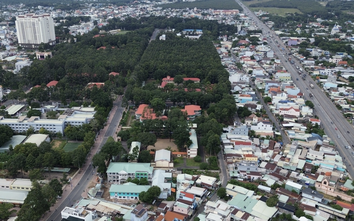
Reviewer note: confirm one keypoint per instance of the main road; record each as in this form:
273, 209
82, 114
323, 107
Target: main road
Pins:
73, 192
336, 126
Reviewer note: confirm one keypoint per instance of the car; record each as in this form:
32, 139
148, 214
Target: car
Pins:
348, 132
347, 147
336, 128
297, 79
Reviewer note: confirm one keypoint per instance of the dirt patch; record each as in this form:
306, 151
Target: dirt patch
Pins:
163, 144
57, 143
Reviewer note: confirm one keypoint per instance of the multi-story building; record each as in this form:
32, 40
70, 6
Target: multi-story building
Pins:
128, 191
118, 172
32, 30
79, 213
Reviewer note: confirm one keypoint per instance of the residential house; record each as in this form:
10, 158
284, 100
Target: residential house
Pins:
312, 194
146, 113
315, 121
236, 130
252, 120
173, 216
207, 182
52, 84
182, 208
118, 172
263, 128
78, 213
139, 213
281, 76
290, 185
289, 111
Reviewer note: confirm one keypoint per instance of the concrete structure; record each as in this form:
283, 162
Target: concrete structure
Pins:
290, 185
78, 214
119, 172
37, 139
21, 64
206, 181
162, 180
22, 185
163, 159
32, 30
193, 148
312, 194
139, 213
16, 197
128, 191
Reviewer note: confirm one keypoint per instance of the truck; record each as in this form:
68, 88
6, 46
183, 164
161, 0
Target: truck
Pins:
311, 85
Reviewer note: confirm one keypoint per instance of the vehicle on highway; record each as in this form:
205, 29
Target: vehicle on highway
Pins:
312, 96
311, 85
335, 128
348, 132
297, 79
347, 147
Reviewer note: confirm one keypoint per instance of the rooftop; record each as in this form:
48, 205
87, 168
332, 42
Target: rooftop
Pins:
116, 167
128, 188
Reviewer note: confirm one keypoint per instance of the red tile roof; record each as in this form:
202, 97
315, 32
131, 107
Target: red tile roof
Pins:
188, 195
191, 109
141, 109
52, 84
97, 84
170, 216
114, 73
242, 143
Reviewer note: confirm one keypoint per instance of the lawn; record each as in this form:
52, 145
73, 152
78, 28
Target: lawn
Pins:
71, 146
122, 32
58, 143
191, 163
277, 11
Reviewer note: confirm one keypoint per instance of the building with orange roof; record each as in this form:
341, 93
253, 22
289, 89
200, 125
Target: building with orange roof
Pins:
52, 84
114, 74
192, 111
315, 121
173, 216
94, 84
146, 113
169, 80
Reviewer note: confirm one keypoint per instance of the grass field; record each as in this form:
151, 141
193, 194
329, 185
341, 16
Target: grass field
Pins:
122, 32
58, 143
191, 163
205, 4
277, 11
71, 146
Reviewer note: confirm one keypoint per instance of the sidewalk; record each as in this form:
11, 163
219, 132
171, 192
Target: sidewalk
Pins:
76, 178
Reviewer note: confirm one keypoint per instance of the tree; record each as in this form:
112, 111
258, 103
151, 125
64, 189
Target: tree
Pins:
197, 159
79, 156
32, 112
144, 157
222, 193
5, 211
178, 79
99, 161
143, 181
56, 186
147, 139
196, 219
111, 148
181, 137
267, 99
157, 104
213, 144
309, 104
204, 166
35, 174
272, 201
5, 134
150, 195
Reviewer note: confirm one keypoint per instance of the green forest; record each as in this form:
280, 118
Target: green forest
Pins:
205, 4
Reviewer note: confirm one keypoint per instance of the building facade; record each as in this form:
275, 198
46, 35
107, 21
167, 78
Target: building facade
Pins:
32, 30
118, 172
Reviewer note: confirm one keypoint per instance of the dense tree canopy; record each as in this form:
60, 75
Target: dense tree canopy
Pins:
5, 134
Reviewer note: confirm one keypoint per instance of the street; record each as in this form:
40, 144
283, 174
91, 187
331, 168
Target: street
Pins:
331, 117
73, 193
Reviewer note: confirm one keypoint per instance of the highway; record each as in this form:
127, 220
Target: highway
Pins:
336, 126
73, 192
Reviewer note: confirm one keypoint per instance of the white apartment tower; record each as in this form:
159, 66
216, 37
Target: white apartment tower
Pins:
32, 30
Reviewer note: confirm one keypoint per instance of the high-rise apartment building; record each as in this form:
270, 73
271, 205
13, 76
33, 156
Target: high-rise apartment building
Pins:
32, 30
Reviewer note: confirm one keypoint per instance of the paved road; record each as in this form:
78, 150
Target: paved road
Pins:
336, 126
285, 138
154, 34
73, 193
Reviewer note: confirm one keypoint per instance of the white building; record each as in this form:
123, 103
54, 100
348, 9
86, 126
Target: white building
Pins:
163, 159
32, 30
77, 214
21, 64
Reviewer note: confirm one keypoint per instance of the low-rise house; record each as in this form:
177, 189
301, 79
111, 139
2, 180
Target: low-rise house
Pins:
182, 208
223, 210
78, 213
290, 185
196, 191
289, 111
173, 216
207, 182
312, 194
129, 191
118, 172
139, 213
263, 128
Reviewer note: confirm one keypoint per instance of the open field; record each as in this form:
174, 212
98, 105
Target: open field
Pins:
71, 146
191, 163
58, 143
277, 11
163, 144
247, 3
205, 4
